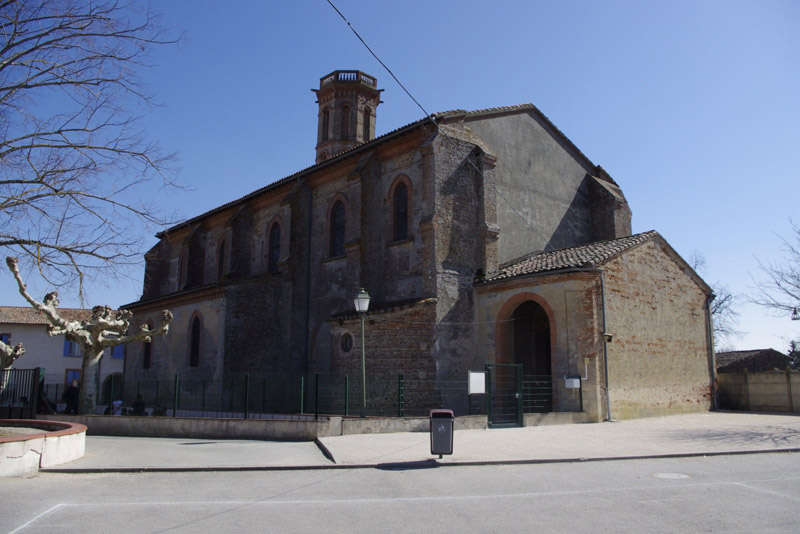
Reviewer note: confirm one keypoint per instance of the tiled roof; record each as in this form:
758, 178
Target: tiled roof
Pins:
753, 360
584, 256
27, 315
435, 117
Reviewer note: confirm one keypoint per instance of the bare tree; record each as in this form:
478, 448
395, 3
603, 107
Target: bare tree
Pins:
106, 328
75, 167
723, 311
780, 293
72, 156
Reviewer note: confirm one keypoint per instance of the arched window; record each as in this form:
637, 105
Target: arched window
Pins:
274, 249
337, 224
194, 343
183, 268
400, 205
147, 358
366, 123
345, 122
326, 119
221, 259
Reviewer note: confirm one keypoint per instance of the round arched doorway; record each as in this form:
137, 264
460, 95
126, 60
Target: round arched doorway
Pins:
526, 341
530, 339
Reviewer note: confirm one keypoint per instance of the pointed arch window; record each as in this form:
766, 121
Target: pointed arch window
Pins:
221, 259
345, 122
274, 248
337, 227
326, 120
183, 268
366, 123
400, 206
194, 343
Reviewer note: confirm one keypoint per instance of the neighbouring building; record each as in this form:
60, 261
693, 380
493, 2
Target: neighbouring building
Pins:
59, 358
483, 237
754, 361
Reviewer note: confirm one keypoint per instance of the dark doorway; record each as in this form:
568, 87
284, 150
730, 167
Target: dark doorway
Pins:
530, 348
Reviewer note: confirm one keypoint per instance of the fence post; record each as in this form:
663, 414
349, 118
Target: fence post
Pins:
247, 395
316, 396
346, 395
302, 391
488, 393
400, 395
157, 403
111, 400
177, 394
789, 389
746, 391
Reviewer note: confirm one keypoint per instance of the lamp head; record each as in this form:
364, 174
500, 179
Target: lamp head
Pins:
361, 301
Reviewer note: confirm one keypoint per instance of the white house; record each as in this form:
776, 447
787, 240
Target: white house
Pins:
60, 359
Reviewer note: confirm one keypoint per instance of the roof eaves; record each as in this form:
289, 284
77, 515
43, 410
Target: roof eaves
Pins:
299, 174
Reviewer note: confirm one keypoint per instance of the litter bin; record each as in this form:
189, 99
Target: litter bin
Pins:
441, 432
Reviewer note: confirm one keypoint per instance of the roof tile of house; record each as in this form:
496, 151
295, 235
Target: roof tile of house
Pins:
27, 315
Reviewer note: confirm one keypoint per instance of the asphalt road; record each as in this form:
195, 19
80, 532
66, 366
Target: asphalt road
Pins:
741, 493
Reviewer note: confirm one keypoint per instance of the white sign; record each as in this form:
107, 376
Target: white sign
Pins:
477, 383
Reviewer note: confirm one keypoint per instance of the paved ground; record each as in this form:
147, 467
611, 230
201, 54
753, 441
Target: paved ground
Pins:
724, 494
694, 434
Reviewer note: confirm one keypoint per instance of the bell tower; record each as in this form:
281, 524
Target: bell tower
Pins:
347, 102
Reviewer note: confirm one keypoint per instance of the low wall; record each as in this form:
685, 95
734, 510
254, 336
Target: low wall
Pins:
284, 429
59, 442
769, 391
200, 427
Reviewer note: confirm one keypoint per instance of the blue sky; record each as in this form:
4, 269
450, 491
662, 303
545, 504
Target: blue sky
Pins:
692, 106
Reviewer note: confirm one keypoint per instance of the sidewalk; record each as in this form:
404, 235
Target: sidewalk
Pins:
679, 435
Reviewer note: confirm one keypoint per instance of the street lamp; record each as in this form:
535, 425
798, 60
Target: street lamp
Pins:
362, 305
795, 315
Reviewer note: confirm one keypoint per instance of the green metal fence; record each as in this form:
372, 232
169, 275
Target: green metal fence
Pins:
253, 396
257, 396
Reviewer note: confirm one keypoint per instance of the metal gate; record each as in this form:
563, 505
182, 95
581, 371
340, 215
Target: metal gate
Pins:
19, 393
537, 393
504, 394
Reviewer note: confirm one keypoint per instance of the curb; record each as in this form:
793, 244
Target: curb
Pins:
401, 466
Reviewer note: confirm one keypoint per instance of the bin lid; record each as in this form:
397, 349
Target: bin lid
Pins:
440, 413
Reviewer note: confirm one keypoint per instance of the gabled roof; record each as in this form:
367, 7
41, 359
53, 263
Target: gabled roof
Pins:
581, 257
753, 360
432, 119
27, 315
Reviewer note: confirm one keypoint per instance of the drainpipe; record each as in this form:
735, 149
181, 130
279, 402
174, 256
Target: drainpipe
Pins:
712, 357
605, 343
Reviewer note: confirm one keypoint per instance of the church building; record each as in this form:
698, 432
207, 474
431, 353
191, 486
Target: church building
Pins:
487, 241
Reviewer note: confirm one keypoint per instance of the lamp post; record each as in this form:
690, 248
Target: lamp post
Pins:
361, 302
795, 315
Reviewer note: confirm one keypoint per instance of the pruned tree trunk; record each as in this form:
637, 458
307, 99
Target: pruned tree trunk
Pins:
90, 380
9, 354
106, 328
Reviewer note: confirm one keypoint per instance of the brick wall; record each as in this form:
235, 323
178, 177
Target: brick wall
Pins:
658, 360
396, 341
